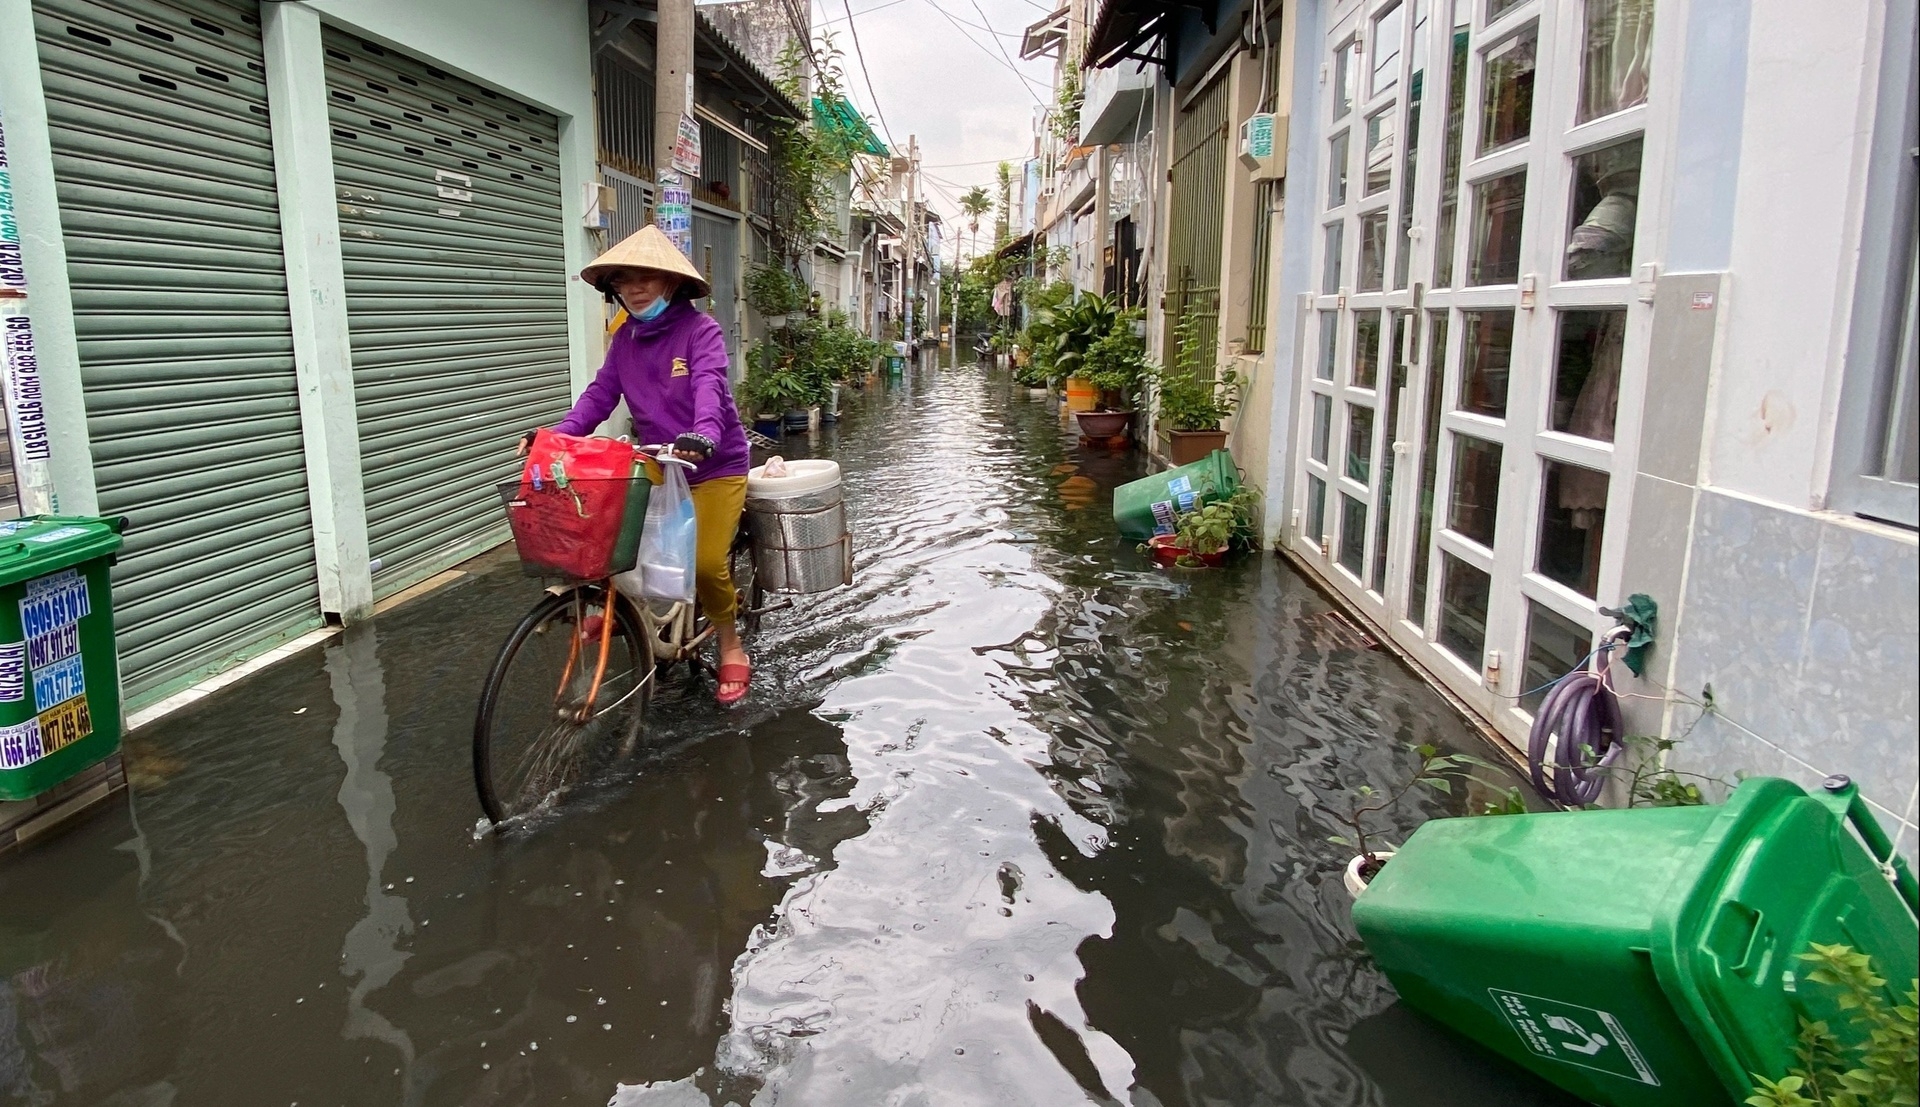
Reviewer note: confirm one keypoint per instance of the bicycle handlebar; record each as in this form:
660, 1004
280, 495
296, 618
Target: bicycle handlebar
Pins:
664, 455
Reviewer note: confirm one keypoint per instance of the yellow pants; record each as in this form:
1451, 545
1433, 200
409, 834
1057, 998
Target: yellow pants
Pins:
717, 504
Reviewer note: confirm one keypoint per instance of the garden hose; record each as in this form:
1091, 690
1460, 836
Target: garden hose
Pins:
1577, 733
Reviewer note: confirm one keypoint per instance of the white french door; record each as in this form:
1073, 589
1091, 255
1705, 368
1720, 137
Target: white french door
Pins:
1477, 343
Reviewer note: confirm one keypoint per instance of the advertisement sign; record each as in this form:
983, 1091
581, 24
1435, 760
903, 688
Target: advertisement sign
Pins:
686, 146
673, 210
24, 408
13, 273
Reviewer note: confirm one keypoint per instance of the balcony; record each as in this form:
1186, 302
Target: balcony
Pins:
1117, 107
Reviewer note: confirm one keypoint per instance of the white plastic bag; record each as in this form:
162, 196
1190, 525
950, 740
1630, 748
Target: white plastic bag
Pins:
669, 541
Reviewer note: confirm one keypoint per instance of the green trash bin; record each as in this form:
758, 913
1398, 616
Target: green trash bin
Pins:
1150, 505
896, 364
59, 678
1637, 957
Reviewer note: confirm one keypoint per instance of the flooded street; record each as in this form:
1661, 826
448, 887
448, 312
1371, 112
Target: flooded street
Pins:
1017, 819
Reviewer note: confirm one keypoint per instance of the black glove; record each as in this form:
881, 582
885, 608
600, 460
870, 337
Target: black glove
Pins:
691, 443
526, 440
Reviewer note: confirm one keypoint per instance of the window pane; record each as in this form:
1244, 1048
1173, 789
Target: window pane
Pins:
1373, 253
1353, 534
1555, 647
1379, 152
1359, 442
1383, 498
1497, 204
1316, 510
1506, 116
1586, 372
1322, 426
1330, 270
1498, 8
1346, 77
1410, 164
1337, 170
1429, 465
1488, 356
1450, 169
1616, 58
1329, 343
1464, 597
1476, 489
1387, 31
1573, 515
1606, 196
1366, 348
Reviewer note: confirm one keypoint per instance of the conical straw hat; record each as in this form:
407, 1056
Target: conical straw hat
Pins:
648, 248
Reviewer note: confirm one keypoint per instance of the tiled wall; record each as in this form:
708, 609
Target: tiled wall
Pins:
1804, 626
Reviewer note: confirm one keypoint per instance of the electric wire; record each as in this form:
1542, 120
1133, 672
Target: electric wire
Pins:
1026, 82
866, 75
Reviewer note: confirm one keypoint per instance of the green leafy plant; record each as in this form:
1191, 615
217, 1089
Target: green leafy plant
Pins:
1064, 119
1437, 773
1194, 394
775, 290
1220, 525
1116, 363
1870, 1061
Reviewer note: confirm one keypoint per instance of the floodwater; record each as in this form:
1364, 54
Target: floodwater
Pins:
1017, 819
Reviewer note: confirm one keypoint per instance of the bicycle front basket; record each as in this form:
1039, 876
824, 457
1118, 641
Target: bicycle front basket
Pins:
582, 530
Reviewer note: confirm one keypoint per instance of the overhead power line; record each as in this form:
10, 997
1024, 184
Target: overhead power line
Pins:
1026, 82
866, 75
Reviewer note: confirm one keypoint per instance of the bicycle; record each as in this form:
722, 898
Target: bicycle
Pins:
567, 696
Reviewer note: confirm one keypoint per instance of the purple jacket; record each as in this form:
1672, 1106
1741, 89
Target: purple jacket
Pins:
672, 372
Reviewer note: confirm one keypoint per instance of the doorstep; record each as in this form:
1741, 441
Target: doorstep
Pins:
22, 821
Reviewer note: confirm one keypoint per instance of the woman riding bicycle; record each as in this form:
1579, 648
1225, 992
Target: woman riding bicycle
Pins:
669, 362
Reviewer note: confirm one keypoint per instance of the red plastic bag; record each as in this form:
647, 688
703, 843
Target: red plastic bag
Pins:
571, 502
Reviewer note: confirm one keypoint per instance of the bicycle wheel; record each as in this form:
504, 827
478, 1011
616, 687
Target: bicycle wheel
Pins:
751, 599
535, 735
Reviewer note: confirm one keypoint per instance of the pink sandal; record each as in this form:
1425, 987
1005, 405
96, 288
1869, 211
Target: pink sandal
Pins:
734, 672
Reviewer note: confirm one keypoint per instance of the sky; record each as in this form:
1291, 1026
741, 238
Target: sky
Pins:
951, 85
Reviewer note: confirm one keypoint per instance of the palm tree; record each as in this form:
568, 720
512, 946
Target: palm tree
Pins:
976, 203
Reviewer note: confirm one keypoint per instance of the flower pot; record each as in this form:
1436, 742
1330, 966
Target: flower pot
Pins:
768, 425
830, 411
813, 418
1187, 447
775, 322
797, 418
1167, 550
1103, 424
1357, 883
1037, 393
1081, 395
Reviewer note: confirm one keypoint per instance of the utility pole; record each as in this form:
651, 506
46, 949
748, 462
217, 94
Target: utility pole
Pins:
672, 99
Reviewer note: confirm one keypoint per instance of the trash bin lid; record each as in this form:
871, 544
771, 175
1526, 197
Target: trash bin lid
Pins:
40, 544
1776, 872
803, 476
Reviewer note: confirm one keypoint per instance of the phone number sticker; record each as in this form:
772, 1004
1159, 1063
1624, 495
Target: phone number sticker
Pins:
66, 724
20, 745
59, 682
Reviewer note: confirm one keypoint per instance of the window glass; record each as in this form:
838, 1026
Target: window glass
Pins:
1506, 113
1346, 77
1379, 152
1555, 647
1316, 510
1329, 344
1388, 29
1455, 146
1586, 372
1410, 164
1372, 273
1429, 465
1464, 598
1366, 349
1476, 489
1606, 197
1497, 209
1330, 269
1488, 356
1322, 425
1359, 442
1353, 534
1573, 517
1498, 8
1616, 57
1390, 420
1337, 170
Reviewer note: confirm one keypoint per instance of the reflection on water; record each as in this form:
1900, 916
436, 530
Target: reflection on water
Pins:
1017, 819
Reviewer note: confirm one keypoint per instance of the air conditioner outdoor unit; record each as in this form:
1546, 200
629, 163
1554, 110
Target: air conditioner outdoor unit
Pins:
1263, 146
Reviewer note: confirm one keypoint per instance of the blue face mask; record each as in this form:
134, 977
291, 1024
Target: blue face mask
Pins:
652, 311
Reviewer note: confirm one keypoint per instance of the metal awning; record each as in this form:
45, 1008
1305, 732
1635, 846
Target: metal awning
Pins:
845, 120
1045, 36
1123, 30
717, 59
1017, 247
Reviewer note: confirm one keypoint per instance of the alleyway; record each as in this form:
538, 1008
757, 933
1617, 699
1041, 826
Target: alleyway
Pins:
1017, 819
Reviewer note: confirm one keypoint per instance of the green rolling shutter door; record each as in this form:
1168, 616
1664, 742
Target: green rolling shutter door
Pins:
452, 234
164, 167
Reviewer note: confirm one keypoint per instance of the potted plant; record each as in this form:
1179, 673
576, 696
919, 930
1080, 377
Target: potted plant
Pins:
1115, 365
1067, 332
1208, 533
1437, 773
776, 293
1193, 397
